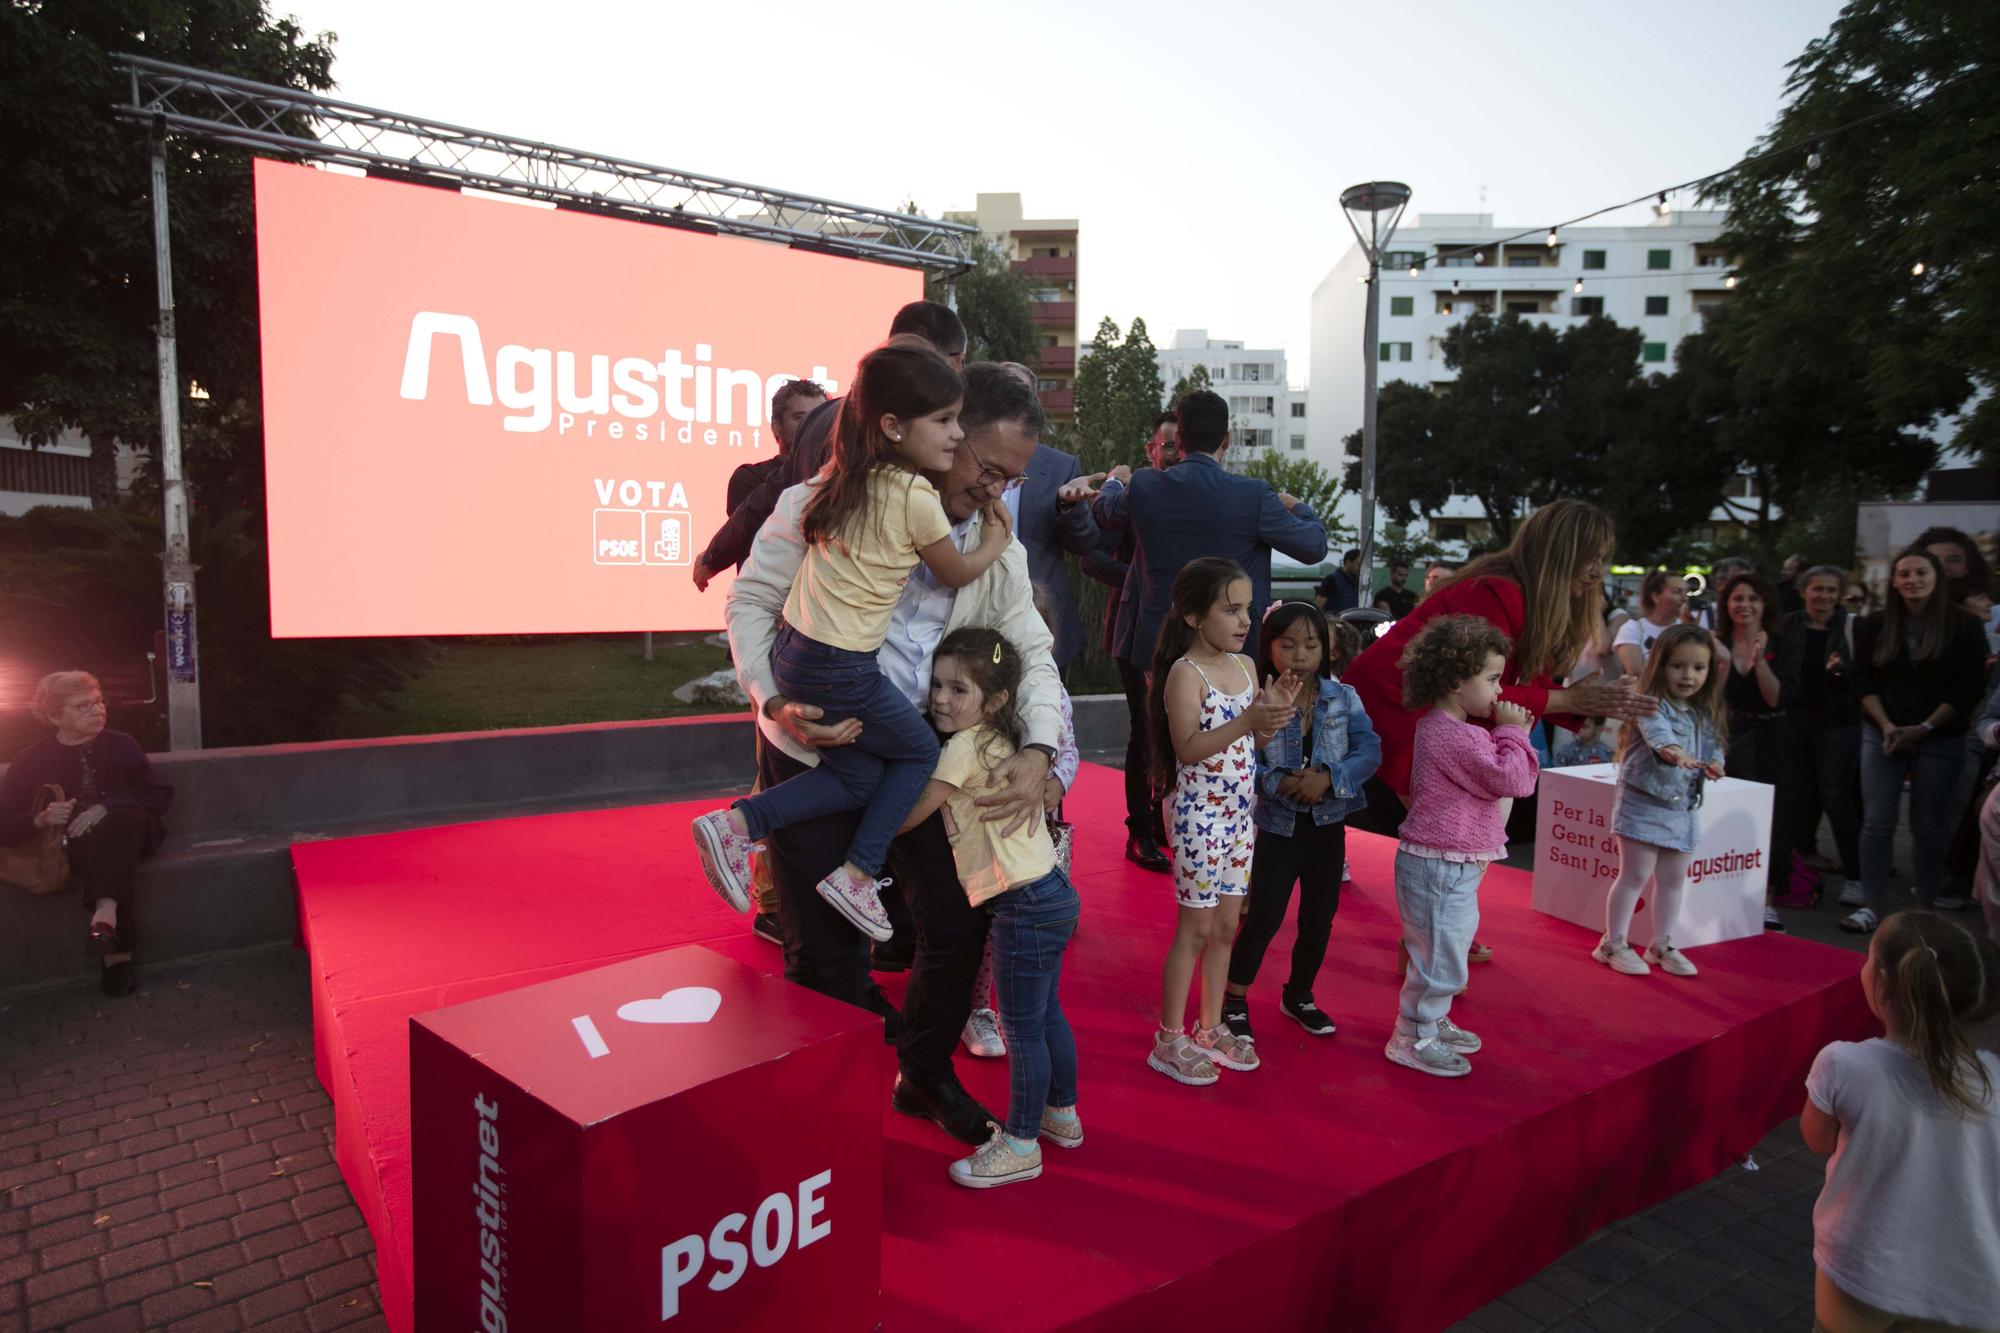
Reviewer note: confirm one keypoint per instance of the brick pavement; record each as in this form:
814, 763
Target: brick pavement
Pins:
166, 1163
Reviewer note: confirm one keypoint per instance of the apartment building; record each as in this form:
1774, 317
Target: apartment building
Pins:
1265, 413
1659, 278
1045, 251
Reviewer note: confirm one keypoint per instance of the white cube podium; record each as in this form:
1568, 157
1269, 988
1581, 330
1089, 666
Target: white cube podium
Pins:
1576, 857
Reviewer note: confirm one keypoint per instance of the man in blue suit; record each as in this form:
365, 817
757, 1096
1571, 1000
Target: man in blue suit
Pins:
1049, 526
1196, 510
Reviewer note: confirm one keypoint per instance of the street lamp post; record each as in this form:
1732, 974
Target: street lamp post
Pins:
1371, 200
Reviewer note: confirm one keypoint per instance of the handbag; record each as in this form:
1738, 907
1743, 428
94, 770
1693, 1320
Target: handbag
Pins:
39, 865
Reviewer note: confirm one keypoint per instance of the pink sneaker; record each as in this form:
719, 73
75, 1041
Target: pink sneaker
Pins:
859, 899
725, 857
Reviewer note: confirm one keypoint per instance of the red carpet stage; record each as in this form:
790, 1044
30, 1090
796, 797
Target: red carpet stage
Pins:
1328, 1189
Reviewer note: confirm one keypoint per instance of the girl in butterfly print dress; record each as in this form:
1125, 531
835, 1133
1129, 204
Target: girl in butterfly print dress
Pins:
1203, 709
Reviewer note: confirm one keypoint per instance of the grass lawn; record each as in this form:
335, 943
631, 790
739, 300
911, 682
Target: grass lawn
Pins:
485, 685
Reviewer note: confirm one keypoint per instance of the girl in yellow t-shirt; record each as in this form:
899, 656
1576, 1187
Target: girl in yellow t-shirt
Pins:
975, 680
872, 517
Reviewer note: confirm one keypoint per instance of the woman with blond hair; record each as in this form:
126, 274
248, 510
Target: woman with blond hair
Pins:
110, 810
1544, 592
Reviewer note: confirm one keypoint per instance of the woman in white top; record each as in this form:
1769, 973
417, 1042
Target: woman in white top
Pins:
1662, 604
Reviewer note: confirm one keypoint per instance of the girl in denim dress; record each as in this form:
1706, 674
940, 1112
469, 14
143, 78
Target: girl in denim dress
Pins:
1309, 780
1663, 761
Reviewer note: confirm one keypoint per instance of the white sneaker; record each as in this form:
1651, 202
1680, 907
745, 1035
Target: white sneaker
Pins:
1456, 1037
725, 857
1620, 957
860, 901
982, 1035
1853, 895
994, 1164
1663, 955
1430, 1056
1346, 873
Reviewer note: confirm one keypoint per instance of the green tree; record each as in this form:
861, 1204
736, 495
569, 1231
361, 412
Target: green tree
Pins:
1847, 226
77, 293
1308, 481
993, 301
1117, 395
1196, 378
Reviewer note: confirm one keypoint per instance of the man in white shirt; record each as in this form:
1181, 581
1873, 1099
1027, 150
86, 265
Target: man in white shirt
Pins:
1002, 422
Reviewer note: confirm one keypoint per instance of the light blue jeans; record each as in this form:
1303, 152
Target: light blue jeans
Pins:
1933, 768
1032, 925
1439, 902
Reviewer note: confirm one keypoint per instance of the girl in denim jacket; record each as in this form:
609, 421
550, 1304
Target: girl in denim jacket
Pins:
1663, 761
1309, 780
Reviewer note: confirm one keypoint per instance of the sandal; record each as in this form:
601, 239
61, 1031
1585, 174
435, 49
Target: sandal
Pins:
1479, 953
103, 938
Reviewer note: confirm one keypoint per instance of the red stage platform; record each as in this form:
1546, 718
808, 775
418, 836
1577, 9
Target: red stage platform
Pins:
1328, 1189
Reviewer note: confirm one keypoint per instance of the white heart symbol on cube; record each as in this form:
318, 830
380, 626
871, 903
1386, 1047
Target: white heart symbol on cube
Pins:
685, 1004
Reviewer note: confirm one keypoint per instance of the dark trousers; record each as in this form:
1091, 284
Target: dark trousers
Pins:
1310, 857
824, 953
1759, 752
1828, 780
104, 862
1142, 812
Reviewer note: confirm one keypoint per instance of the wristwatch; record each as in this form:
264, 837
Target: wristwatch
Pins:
1928, 726
1048, 752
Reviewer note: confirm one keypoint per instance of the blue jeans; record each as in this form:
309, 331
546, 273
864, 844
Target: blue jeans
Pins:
1933, 768
882, 774
1439, 903
1031, 928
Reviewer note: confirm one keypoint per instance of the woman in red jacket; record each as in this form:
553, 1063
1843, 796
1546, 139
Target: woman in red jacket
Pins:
1544, 592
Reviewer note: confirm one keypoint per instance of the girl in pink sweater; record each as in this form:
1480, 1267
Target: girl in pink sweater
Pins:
1462, 779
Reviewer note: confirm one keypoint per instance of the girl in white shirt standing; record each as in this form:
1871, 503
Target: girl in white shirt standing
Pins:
1906, 1233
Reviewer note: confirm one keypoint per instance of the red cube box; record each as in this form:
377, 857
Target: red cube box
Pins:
677, 1139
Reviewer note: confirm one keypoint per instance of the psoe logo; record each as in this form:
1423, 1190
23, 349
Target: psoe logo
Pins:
631, 535
769, 1238
670, 395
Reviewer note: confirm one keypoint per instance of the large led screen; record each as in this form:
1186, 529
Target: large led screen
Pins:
484, 418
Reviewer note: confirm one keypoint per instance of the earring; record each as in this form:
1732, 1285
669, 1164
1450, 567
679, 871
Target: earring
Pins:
895, 439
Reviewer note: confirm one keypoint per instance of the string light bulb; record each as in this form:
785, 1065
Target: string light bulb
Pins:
1578, 286
1660, 209
1552, 237
1413, 270
1454, 284
1917, 269
1813, 160
1730, 281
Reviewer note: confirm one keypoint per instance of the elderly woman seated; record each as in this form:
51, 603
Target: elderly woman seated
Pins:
111, 808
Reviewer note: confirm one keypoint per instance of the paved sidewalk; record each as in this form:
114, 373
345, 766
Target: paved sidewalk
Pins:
166, 1163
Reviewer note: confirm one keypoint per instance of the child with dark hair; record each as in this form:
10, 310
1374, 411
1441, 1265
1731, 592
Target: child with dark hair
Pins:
1907, 1228
1012, 873
872, 518
1461, 777
1309, 780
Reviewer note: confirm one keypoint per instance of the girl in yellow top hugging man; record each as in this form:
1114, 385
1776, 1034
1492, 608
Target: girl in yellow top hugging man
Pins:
871, 519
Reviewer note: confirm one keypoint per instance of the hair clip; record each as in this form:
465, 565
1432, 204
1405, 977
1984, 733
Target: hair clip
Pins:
996, 654
1932, 952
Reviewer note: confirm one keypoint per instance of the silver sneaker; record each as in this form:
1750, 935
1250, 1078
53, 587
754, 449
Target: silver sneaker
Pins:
1663, 955
1427, 1057
860, 901
982, 1035
725, 857
1619, 957
1063, 1133
1456, 1037
994, 1163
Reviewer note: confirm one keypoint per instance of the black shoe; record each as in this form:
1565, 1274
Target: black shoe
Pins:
1236, 1015
766, 926
1143, 851
1301, 1010
895, 956
947, 1105
119, 979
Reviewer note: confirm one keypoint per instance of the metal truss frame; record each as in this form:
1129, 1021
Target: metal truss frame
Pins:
289, 123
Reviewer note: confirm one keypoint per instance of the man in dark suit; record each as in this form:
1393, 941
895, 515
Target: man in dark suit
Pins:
1050, 524
1197, 510
1110, 564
